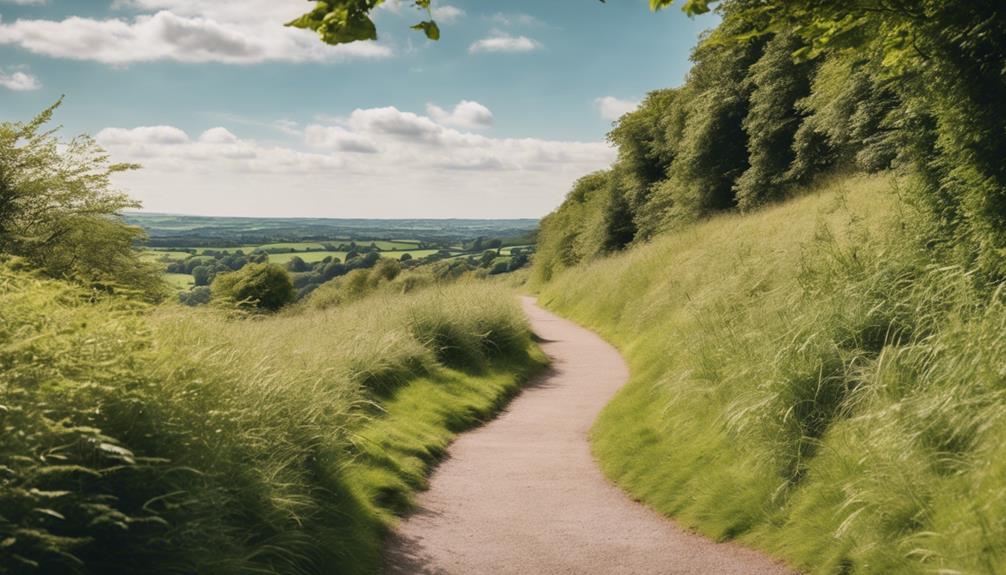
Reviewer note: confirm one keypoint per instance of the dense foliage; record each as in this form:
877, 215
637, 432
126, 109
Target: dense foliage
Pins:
807, 379
167, 440
822, 379
261, 286
59, 212
782, 92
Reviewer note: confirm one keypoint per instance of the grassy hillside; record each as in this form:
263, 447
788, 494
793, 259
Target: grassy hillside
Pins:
145, 439
807, 381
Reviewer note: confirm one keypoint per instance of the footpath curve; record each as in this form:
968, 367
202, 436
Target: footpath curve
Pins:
523, 494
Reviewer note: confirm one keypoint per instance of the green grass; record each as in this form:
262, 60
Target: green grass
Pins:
384, 245
180, 281
807, 381
298, 246
309, 257
177, 440
150, 255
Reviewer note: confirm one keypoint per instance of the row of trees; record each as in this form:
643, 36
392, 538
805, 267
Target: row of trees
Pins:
782, 92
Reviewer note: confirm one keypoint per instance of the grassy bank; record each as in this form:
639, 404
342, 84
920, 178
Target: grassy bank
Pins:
165, 440
807, 381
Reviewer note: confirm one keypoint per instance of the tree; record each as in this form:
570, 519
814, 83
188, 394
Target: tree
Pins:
944, 59
202, 275
58, 210
297, 264
487, 257
778, 82
262, 286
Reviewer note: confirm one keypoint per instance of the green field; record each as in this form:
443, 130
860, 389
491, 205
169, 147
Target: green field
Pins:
163, 255
180, 281
392, 245
309, 257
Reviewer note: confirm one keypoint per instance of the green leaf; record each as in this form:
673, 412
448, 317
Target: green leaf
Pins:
430, 28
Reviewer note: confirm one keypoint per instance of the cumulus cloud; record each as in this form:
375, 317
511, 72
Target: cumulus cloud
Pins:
19, 81
229, 31
466, 114
447, 14
502, 42
338, 138
612, 108
373, 162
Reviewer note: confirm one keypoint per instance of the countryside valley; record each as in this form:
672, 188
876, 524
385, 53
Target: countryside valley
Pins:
752, 321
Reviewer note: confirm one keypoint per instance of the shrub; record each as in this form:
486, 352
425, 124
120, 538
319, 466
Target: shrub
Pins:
58, 210
262, 286
176, 440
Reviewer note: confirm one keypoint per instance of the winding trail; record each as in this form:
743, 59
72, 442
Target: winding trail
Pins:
523, 494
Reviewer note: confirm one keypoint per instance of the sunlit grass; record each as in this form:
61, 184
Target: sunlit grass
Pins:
806, 380
172, 440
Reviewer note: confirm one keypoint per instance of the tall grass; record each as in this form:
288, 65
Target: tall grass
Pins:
806, 379
167, 440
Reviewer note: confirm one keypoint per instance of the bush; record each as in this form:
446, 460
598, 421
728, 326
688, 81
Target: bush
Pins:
262, 286
175, 440
58, 210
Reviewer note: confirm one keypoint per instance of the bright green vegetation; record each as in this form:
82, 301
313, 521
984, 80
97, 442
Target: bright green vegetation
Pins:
180, 281
155, 256
312, 257
142, 436
315, 263
510, 249
59, 213
261, 286
821, 378
177, 440
804, 379
384, 245
309, 257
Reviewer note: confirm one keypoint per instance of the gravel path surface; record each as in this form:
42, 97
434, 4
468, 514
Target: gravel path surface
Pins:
522, 494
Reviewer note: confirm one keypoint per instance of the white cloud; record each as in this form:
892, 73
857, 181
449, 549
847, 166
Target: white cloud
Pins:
466, 114
612, 108
229, 31
24, 2
375, 162
447, 14
19, 81
218, 135
515, 19
338, 138
502, 42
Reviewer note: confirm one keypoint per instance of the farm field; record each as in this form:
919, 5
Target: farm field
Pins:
180, 281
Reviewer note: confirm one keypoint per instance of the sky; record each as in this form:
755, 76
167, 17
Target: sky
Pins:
231, 113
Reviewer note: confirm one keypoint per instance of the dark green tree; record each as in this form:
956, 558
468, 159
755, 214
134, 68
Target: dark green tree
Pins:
777, 83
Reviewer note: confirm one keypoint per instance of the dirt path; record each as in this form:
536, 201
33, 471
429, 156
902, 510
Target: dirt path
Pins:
523, 494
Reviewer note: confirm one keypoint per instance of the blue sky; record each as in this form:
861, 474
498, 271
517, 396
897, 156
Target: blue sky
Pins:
232, 114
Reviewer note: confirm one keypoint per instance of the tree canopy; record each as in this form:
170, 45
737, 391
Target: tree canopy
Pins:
59, 212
